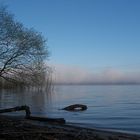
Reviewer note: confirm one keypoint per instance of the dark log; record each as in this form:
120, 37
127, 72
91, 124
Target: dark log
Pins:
17, 108
75, 107
28, 113
50, 120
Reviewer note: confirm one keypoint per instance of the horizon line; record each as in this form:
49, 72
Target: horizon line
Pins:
96, 84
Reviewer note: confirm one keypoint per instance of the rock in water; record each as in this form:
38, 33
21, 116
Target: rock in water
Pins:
76, 107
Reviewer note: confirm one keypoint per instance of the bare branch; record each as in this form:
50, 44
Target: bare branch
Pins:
22, 51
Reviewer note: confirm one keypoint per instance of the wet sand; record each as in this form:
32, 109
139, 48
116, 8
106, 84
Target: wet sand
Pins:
15, 128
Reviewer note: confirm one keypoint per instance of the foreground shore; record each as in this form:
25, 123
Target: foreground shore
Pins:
12, 128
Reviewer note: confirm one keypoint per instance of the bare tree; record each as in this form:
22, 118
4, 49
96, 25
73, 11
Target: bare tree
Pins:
22, 51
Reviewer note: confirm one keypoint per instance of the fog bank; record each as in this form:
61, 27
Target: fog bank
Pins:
76, 75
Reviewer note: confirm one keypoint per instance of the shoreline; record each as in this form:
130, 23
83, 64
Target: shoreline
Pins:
103, 128
15, 128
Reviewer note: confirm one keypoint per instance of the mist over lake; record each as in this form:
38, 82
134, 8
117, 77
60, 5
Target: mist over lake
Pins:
109, 107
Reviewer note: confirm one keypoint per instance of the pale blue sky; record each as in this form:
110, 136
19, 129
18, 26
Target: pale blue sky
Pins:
86, 33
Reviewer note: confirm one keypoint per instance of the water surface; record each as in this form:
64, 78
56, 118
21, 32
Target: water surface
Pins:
109, 107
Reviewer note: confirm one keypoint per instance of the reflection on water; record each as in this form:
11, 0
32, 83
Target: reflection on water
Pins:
36, 99
113, 107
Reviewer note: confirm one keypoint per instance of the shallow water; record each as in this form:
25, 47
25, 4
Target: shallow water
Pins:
109, 107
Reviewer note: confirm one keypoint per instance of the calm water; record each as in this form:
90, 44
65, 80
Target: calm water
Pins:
109, 107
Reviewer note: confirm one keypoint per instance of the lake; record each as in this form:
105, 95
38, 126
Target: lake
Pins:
112, 107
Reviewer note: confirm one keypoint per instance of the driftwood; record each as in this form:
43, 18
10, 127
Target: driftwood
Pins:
18, 108
75, 107
51, 120
28, 115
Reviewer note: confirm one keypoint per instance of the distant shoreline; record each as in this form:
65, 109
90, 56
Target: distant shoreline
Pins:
97, 84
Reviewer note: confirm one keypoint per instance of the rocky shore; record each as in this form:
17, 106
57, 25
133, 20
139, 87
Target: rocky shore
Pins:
13, 128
